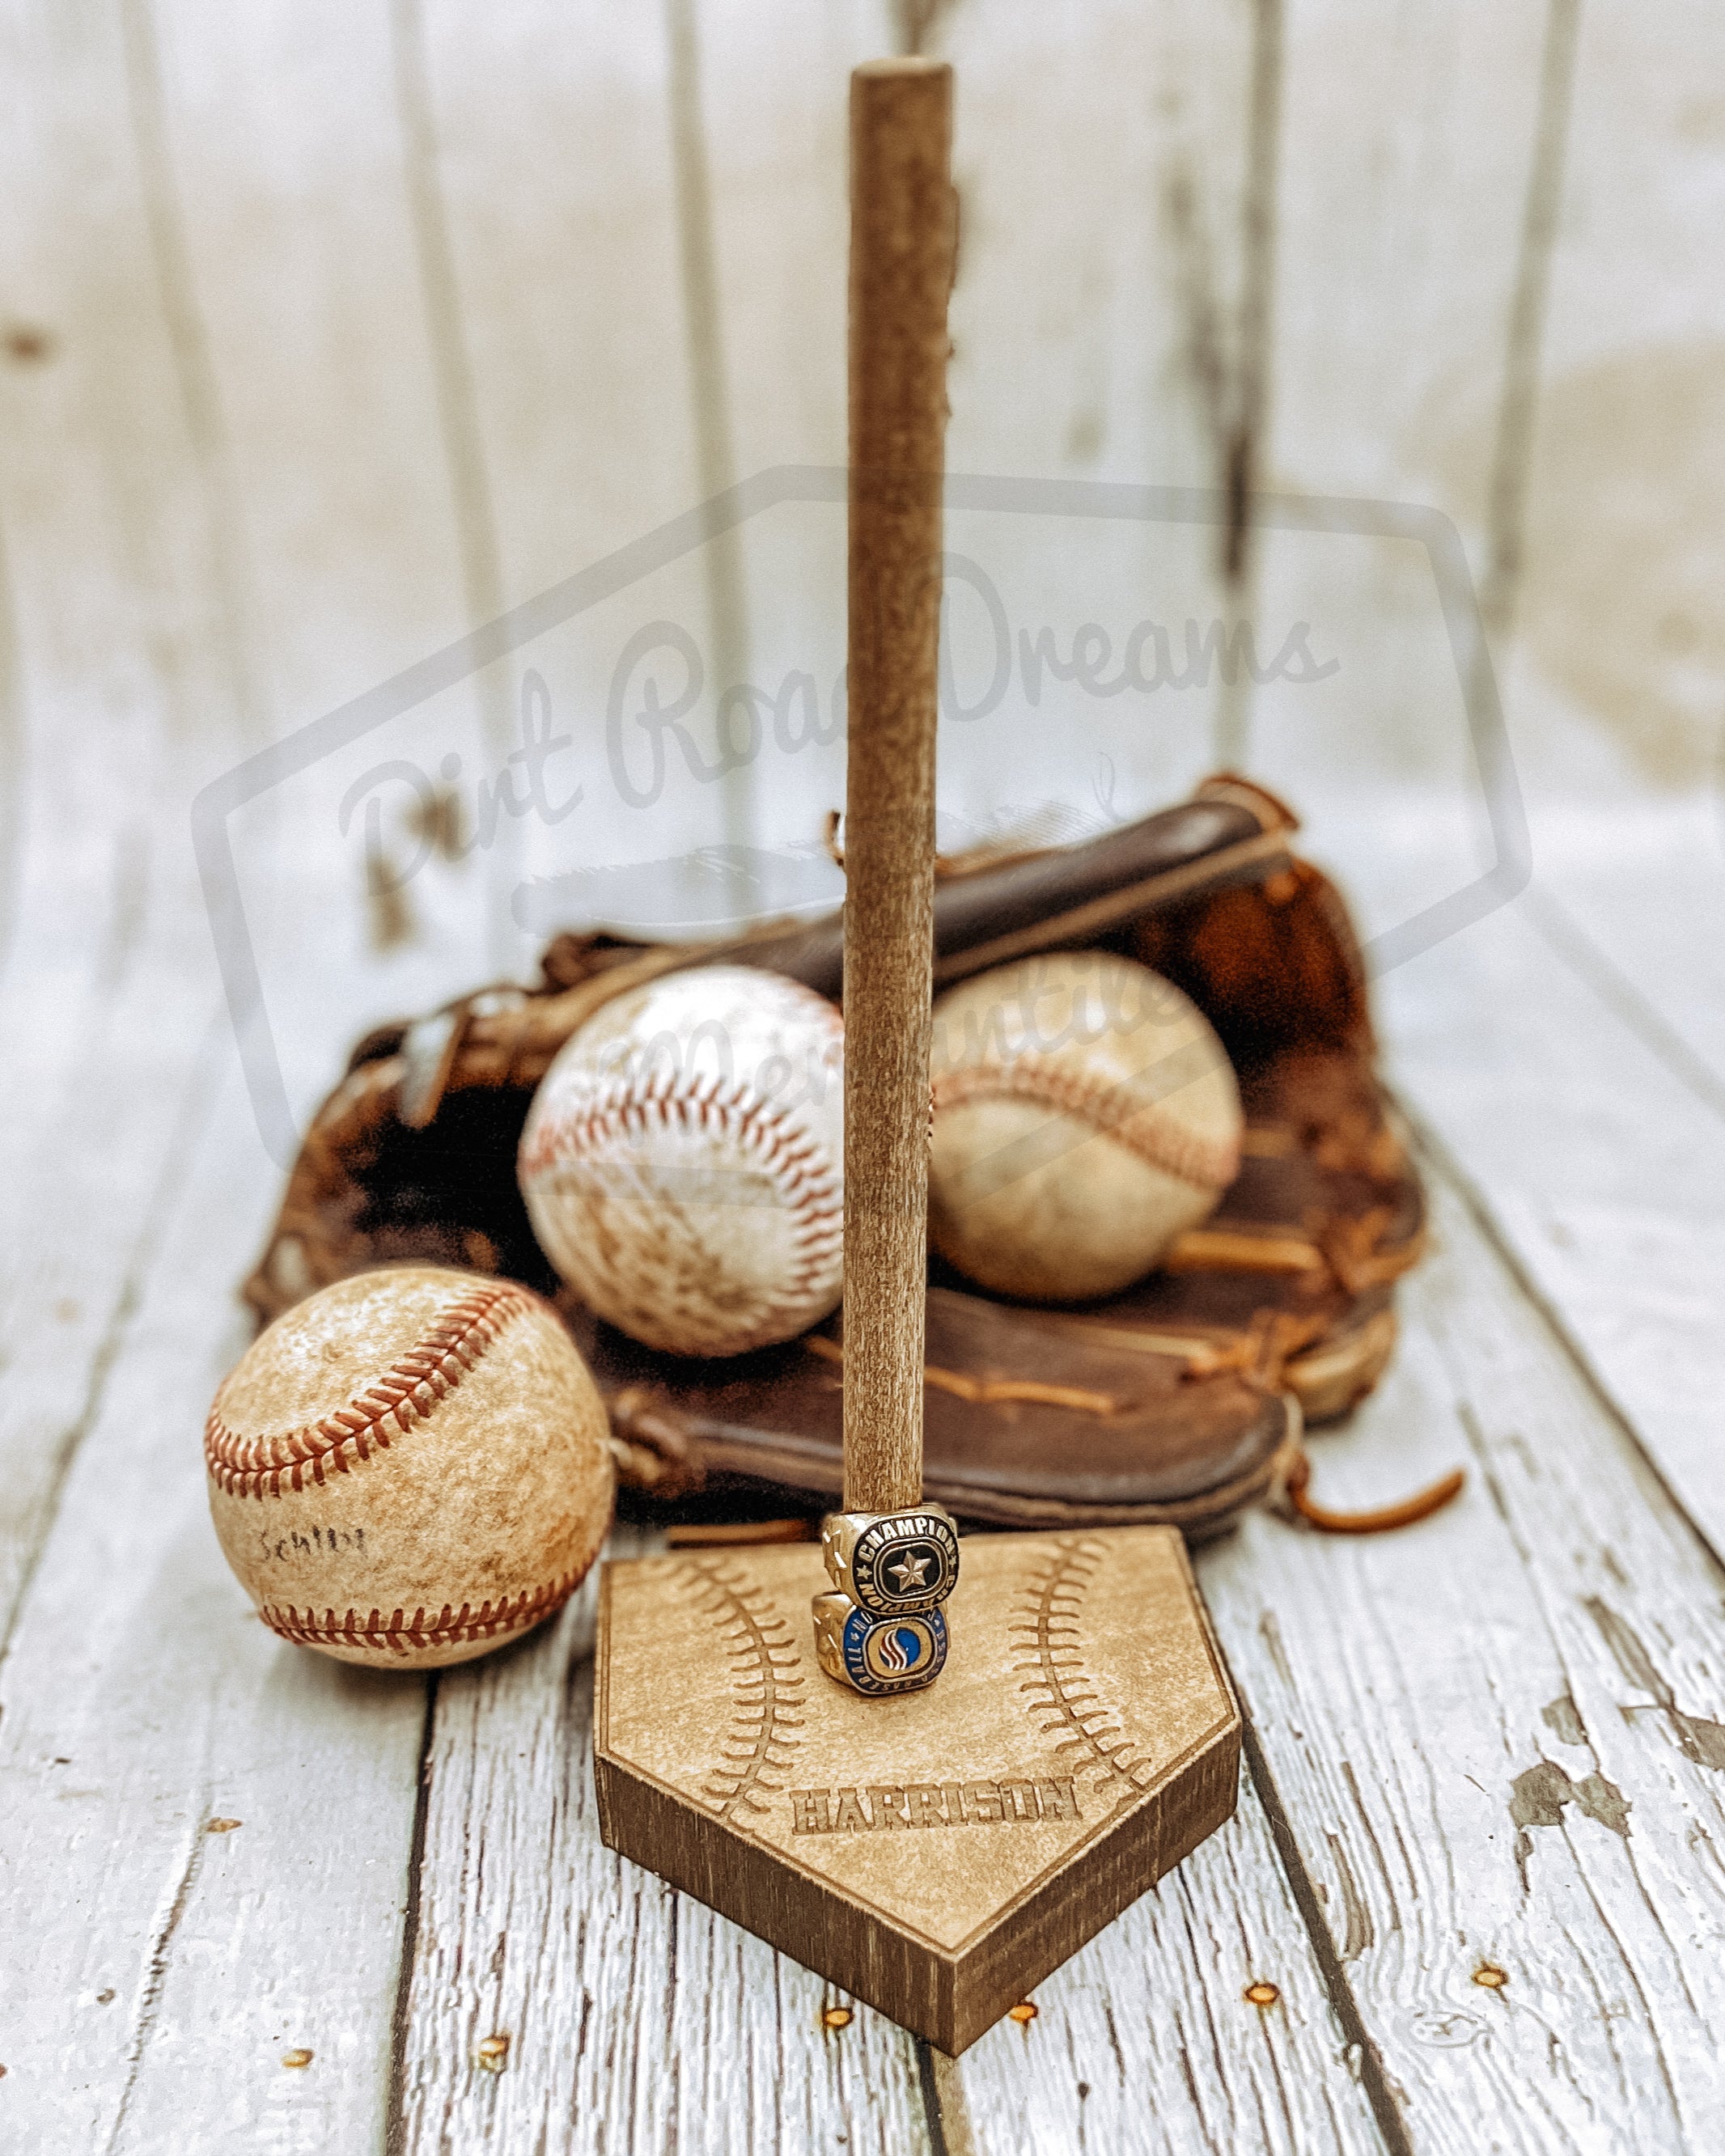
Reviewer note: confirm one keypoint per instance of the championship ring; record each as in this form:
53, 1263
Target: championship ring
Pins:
875, 1656
892, 1564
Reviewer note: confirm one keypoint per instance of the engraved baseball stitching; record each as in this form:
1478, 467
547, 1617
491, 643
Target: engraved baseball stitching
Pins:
766, 1685
1052, 1603
812, 1193
406, 1393
395, 1634
1109, 1106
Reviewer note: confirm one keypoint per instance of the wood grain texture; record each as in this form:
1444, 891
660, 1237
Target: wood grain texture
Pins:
586, 402
173, 1965
901, 260
1419, 151
939, 1851
635, 2016
1121, 343
1492, 1737
106, 1001
1145, 2040
1612, 1208
230, 481
292, 175
764, 276
1408, 280
1618, 656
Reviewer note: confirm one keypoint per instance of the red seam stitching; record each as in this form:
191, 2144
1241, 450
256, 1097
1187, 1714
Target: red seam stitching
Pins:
1140, 1125
395, 1634
403, 1395
816, 1209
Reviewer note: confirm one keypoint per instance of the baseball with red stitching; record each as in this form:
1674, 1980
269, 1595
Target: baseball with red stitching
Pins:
410, 1468
1085, 1115
683, 1161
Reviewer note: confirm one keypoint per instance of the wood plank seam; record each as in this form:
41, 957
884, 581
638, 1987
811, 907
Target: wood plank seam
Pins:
395, 2127
474, 512
1238, 410
950, 2132
188, 340
1441, 1161
155, 1978
710, 392
1258, 282
1372, 2074
1513, 450
445, 322
176, 1157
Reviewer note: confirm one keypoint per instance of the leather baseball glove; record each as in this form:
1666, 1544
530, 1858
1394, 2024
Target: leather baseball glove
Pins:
1180, 1400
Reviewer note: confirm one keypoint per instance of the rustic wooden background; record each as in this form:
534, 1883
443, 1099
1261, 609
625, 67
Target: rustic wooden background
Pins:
330, 332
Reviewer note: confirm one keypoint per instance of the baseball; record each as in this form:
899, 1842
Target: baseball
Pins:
409, 1468
1085, 1115
683, 1161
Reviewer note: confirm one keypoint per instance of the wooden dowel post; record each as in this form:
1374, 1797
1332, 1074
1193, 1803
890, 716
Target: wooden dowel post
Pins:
902, 235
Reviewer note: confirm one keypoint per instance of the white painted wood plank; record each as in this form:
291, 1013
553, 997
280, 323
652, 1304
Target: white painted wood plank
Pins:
125, 666
1614, 677
1515, 1059
284, 144
1406, 283
112, 554
575, 312
1492, 1737
1105, 326
84, 1216
113, 1033
1655, 1341
1145, 2040
569, 395
1615, 616
1603, 1170
1406, 142
121, 644
758, 110
291, 156
170, 1968
636, 2017
773, 107
1631, 896
527, 1928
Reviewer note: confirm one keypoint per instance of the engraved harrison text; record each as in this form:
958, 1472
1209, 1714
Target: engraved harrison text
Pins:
878, 1809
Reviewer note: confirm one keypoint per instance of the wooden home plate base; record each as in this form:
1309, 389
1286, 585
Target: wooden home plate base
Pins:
939, 1853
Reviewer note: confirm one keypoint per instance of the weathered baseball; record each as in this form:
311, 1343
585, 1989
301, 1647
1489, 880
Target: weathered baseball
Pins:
683, 1161
1085, 1115
410, 1467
